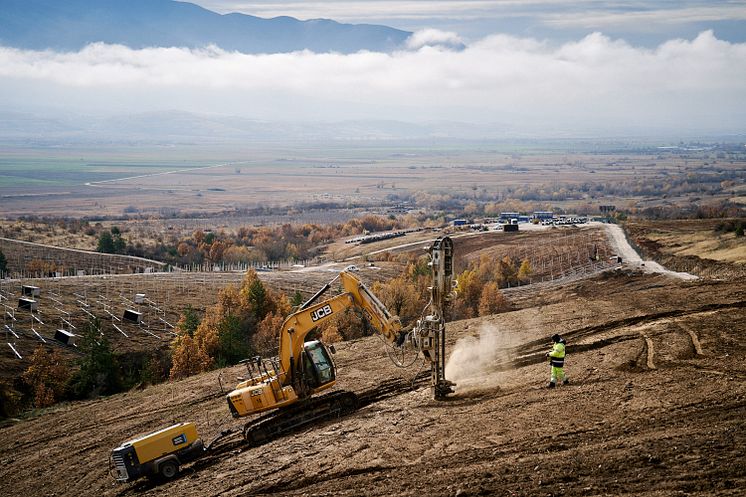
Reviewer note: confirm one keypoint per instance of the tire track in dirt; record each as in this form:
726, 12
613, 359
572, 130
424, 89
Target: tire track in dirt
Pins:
532, 352
536, 345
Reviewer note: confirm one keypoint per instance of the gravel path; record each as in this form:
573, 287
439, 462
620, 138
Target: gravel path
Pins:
631, 258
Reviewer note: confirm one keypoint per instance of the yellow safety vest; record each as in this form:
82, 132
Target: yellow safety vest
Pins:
557, 355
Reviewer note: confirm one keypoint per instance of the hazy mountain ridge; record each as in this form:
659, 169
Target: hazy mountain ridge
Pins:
72, 24
176, 127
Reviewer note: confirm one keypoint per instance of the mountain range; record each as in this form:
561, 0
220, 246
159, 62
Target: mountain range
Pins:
72, 24
178, 127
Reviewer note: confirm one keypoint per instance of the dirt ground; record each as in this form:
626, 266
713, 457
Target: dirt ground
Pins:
655, 407
692, 245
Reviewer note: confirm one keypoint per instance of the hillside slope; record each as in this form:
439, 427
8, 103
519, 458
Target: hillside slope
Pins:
655, 408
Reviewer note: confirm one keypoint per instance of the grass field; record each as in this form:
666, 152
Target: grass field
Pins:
30, 172
107, 181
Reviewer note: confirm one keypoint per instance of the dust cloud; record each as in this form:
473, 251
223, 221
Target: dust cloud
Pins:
479, 362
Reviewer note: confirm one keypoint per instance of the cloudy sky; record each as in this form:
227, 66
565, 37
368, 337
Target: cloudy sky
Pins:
595, 65
647, 22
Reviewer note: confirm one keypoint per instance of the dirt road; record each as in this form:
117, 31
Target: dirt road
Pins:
633, 260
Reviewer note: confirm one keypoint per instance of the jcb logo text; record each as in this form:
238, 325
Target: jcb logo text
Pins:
321, 312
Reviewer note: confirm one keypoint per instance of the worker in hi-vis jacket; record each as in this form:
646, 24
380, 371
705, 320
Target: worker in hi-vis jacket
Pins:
557, 360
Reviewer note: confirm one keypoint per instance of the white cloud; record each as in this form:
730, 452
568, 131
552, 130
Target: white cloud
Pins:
434, 38
591, 82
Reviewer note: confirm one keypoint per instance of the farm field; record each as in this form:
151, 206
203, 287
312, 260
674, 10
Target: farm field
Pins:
113, 182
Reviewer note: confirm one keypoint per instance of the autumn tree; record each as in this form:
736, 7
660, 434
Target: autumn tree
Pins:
224, 317
47, 376
492, 300
266, 339
524, 272
236, 255
469, 292
399, 295
506, 272
346, 325
188, 358
227, 332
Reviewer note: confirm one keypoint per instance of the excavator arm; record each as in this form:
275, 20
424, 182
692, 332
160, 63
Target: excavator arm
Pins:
297, 326
387, 325
306, 368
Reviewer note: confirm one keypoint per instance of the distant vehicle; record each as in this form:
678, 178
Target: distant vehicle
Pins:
352, 267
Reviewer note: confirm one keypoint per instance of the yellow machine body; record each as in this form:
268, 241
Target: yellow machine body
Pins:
165, 441
249, 398
160, 452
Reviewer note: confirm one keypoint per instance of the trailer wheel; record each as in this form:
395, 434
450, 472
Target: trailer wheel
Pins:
168, 469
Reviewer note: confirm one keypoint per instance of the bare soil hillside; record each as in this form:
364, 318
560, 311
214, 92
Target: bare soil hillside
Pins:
656, 407
696, 246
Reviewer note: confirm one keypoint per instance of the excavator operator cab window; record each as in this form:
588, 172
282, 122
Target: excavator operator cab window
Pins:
318, 367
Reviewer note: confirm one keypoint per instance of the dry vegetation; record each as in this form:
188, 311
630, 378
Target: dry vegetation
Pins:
710, 248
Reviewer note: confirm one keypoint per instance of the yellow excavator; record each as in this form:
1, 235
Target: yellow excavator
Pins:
303, 369
283, 387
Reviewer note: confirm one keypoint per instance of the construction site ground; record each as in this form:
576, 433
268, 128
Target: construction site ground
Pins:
655, 407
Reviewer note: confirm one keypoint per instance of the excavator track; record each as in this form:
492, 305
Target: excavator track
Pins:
271, 426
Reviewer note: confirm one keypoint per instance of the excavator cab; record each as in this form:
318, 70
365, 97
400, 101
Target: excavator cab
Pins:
318, 366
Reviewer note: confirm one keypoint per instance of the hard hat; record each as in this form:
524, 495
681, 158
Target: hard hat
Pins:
556, 338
